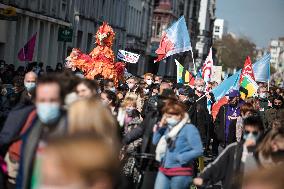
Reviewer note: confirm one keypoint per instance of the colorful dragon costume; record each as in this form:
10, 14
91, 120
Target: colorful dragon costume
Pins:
100, 62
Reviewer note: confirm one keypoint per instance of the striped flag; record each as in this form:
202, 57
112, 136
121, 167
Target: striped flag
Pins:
184, 76
174, 40
207, 67
261, 69
248, 87
27, 52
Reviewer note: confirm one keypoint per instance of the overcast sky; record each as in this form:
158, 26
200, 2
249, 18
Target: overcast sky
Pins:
260, 20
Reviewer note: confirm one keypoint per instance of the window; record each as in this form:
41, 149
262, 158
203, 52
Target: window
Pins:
217, 28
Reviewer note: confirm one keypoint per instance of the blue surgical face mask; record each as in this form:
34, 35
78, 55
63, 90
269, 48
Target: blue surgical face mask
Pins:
30, 85
112, 89
251, 136
172, 122
48, 113
129, 110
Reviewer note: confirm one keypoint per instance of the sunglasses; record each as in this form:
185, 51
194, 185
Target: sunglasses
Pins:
255, 133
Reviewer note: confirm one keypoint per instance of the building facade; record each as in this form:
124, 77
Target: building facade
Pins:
165, 13
46, 18
206, 24
138, 25
220, 28
34, 16
277, 53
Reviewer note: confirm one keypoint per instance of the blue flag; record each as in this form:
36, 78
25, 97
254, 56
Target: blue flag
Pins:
231, 82
261, 69
174, 40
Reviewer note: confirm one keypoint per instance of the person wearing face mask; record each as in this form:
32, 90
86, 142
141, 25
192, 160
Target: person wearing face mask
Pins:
247, 110
236, 160
262, 100
50, 121
275, 113
158, 79
109, 85
148, 79
109, 99
178, 145
23, 91
225, 122
271, 149
199, 113
134, 91
129, 120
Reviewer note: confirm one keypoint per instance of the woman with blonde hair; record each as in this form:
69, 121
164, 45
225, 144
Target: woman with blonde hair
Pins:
85, 161
90, 115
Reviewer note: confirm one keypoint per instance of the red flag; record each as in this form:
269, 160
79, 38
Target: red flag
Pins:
247, 70
26, 53
217, 105
165, 46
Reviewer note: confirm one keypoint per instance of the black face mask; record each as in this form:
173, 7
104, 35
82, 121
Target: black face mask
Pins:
277, 106
278, 156
233, 104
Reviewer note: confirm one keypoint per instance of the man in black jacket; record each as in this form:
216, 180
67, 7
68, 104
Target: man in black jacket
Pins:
236, 159
199, 113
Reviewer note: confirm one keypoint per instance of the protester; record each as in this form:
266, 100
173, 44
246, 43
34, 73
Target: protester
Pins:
199, 114
50, 121
109, 99
158, 79
86, 88
109, 85
263, 100
84, 161
30, 85
135, 91
91, 116
246, 110
225, 122
275, 113
271, 149
148, 79
269, 178
236, 159
178, 145
129, 119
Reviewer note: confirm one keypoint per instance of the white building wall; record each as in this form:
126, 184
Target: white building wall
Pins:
220, 28
276, 51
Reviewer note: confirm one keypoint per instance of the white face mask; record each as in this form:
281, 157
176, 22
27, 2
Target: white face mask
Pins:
149, 82
262, 95
146, 91
131, 85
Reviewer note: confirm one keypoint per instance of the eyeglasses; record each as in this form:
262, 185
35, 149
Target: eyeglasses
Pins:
255, 133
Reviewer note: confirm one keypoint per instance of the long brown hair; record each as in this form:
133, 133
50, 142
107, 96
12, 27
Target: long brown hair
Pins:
265, 146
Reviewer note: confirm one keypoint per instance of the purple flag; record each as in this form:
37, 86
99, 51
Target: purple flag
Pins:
26, 53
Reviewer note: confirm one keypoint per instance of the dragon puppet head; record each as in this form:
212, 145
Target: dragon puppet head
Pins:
105, 35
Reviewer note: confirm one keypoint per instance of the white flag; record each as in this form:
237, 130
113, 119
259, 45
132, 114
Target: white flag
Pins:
128, 56
207, 67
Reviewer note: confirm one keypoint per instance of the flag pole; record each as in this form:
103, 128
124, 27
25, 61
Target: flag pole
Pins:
194, 66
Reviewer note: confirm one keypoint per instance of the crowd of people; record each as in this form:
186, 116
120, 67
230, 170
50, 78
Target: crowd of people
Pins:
60, 130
